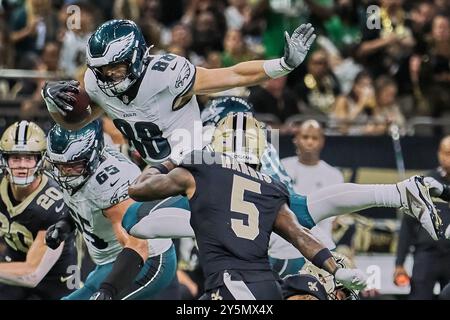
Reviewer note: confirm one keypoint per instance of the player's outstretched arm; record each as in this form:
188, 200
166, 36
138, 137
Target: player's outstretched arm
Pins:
40, 259
179, 181
287, 226
253, 72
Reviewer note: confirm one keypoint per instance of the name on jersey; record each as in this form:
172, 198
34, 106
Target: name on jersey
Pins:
128, 115
241, 167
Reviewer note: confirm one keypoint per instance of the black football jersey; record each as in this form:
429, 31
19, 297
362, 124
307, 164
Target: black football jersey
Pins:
232, 213
21, 222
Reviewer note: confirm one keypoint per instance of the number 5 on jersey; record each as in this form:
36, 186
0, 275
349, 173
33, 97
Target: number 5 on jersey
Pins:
238, 204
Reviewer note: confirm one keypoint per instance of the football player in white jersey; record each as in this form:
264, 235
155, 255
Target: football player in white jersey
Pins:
151, 99
95, 182
170, 217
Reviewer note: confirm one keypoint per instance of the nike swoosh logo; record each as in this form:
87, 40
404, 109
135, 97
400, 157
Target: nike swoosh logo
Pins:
174, 66
64, 279
114, 183
58, 209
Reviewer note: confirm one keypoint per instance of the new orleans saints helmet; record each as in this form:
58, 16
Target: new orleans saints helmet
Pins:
240, 136
333, 289
23, 138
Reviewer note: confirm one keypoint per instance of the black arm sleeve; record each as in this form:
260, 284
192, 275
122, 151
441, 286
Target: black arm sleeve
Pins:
407, 234
125, 270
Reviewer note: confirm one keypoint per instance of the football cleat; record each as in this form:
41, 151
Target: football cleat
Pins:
416, 202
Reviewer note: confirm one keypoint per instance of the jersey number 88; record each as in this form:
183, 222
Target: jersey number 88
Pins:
148, 140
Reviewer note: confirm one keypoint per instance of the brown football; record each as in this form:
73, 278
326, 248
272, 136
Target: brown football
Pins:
81, 107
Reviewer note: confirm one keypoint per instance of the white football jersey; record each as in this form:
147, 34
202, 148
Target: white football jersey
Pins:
107, 187
153, 125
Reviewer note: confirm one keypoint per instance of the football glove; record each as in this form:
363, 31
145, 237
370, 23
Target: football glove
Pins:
101, 295
297, 46
353, 279
56, 95
435, 187
57, 233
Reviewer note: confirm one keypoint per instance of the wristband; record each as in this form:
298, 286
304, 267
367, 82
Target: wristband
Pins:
319, 259
276, 68
161, 168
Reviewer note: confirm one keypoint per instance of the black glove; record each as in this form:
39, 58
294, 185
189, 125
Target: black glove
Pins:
57, 99
57, 233
101, 295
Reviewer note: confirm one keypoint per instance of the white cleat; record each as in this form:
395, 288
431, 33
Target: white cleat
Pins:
416, 202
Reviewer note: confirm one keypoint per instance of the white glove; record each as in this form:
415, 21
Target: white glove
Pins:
296, 47
436, 188
353, 279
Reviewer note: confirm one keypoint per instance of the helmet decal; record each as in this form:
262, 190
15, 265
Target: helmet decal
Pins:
114, 50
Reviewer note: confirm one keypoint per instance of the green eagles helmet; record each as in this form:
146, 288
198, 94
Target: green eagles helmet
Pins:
74, 155
114, 42
219, 108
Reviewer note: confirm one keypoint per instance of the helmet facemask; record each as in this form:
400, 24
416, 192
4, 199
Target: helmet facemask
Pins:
111, 87
22, 180
117, 42
21, 143
241, 137
75, 155
71, 175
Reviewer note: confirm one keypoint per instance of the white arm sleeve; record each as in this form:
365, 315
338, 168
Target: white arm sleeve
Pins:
32, 279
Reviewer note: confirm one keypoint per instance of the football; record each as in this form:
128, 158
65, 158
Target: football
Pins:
81, 107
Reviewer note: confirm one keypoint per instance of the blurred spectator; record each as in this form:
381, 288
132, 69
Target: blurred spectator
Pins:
6, 54
154, 32
275, 98
353, 112
387, 111
126, 9
32, 25
269, 20
181, 38
207, 33
235, 49
419, 21
431, 258
442, 7
415, 102
237, 13
73, 51
344, 28
47, 62
435, 67
384, 49
319, 88
308, 172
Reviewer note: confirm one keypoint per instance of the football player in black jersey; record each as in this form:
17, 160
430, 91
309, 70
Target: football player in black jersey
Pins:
30, 202
234, 208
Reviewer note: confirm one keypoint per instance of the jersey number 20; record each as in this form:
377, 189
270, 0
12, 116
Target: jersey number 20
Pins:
148, 139
238, 204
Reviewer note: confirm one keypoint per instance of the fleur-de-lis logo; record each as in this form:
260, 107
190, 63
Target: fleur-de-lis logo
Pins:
216, 295
313, 286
